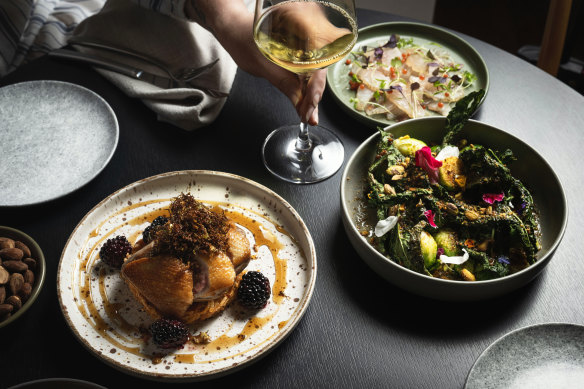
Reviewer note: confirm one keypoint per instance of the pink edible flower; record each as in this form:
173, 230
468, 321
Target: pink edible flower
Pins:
490, 198
430, 216
426, 161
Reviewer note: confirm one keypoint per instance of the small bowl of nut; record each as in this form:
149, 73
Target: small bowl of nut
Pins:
22, 273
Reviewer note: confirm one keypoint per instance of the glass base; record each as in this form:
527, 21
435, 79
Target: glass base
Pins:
289, 158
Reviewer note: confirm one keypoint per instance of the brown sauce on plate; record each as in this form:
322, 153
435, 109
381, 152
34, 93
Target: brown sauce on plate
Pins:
123, 335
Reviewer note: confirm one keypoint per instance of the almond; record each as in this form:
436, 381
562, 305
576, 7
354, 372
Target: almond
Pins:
11, 254
23, 247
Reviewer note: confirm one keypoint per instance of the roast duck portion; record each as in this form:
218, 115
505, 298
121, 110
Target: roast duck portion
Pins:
191, 269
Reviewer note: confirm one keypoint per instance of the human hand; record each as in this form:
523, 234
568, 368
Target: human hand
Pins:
232, 25
305, 26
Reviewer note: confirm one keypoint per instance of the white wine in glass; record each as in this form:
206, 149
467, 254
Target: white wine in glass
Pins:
303, 36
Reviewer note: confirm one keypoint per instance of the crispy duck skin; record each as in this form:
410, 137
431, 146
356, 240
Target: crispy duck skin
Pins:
168, 286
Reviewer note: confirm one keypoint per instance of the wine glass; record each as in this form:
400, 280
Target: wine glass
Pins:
303, 36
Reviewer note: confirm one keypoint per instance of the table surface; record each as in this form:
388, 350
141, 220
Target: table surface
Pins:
358, 331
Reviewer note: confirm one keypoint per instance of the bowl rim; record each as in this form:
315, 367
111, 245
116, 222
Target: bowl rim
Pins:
40, 275
534, 268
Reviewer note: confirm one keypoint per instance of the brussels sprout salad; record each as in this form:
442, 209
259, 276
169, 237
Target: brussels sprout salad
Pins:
451, 210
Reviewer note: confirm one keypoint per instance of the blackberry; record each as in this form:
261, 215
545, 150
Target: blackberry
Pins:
254, 290
114, 251
150, 231
169, 333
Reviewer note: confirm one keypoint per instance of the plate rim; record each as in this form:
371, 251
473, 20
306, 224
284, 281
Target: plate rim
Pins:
165, 377
105, 162
345, 213
514, 332
367, 120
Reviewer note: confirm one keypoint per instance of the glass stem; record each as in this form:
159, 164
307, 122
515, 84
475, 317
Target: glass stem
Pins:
303, 141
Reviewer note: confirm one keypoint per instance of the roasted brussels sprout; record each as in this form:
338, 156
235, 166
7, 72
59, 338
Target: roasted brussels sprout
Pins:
451, 174
408, 146
446, 240
429, 249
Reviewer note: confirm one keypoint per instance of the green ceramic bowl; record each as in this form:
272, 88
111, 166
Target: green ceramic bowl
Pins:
530, 168
423, 34
38, 255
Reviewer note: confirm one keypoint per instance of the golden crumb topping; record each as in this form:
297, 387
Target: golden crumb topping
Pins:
192, 228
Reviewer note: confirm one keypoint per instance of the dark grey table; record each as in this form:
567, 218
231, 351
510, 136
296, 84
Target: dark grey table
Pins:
359, 331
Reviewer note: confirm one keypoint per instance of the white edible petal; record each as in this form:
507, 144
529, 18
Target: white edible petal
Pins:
384, 226
457, 260
448, 151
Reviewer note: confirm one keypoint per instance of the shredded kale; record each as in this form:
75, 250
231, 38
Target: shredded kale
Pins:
507, 229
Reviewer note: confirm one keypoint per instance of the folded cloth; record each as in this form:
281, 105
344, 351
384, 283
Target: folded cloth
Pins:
154, 42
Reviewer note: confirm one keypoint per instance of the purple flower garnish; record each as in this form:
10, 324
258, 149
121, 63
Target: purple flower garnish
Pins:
378, 53
366, 63
393, 87
503, 259
426, 161
433, 79
491, 198
430, 217
392, 43
439, 252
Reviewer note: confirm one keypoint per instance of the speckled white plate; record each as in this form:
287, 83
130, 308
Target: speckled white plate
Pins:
56, 137
542, 356
105, 317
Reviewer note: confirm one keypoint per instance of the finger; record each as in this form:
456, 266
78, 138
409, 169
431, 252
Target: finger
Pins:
314, 117
312, 97
289, 85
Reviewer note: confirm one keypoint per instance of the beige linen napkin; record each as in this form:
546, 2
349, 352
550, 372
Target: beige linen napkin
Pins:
165, 40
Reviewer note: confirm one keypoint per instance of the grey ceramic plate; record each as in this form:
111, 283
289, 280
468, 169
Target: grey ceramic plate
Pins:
540, 356
56, 137
423, 34
530, 168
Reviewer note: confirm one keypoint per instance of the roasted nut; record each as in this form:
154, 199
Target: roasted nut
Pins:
6, 243
395, 169
471, 215
388, 189
15, 266
397, 177
5, 309
2, 294
15, 301
29, 276
4, 275
467, 275
11, 254
15, 283
30, 262
23, 247
451, 208
25, 292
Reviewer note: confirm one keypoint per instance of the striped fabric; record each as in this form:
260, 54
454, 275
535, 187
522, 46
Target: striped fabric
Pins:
31, 28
